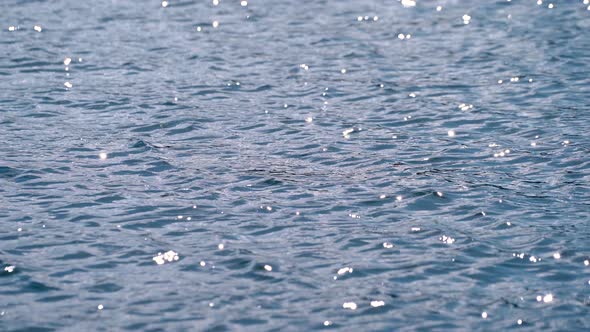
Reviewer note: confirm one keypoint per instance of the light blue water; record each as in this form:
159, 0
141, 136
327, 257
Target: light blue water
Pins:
298, 161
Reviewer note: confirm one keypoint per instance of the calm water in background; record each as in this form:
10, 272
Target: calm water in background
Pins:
298, 160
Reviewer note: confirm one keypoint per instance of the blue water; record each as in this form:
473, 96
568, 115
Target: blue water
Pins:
306, 165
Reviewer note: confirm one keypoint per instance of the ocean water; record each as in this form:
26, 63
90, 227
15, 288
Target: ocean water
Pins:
294, 165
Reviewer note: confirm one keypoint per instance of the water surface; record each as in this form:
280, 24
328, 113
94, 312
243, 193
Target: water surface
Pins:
346, 165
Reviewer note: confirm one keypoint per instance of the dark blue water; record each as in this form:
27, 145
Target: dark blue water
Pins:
346, 165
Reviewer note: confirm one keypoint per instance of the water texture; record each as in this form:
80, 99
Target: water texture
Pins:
300, 165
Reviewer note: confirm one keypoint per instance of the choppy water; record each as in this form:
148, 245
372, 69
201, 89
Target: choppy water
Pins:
303, 158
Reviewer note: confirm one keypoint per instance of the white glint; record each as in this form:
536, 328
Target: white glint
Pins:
408, 3
169, 256
376, 304
446, 239
466, 19
349, 305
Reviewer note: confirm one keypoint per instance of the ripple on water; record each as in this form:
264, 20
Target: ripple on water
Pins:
352, 165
